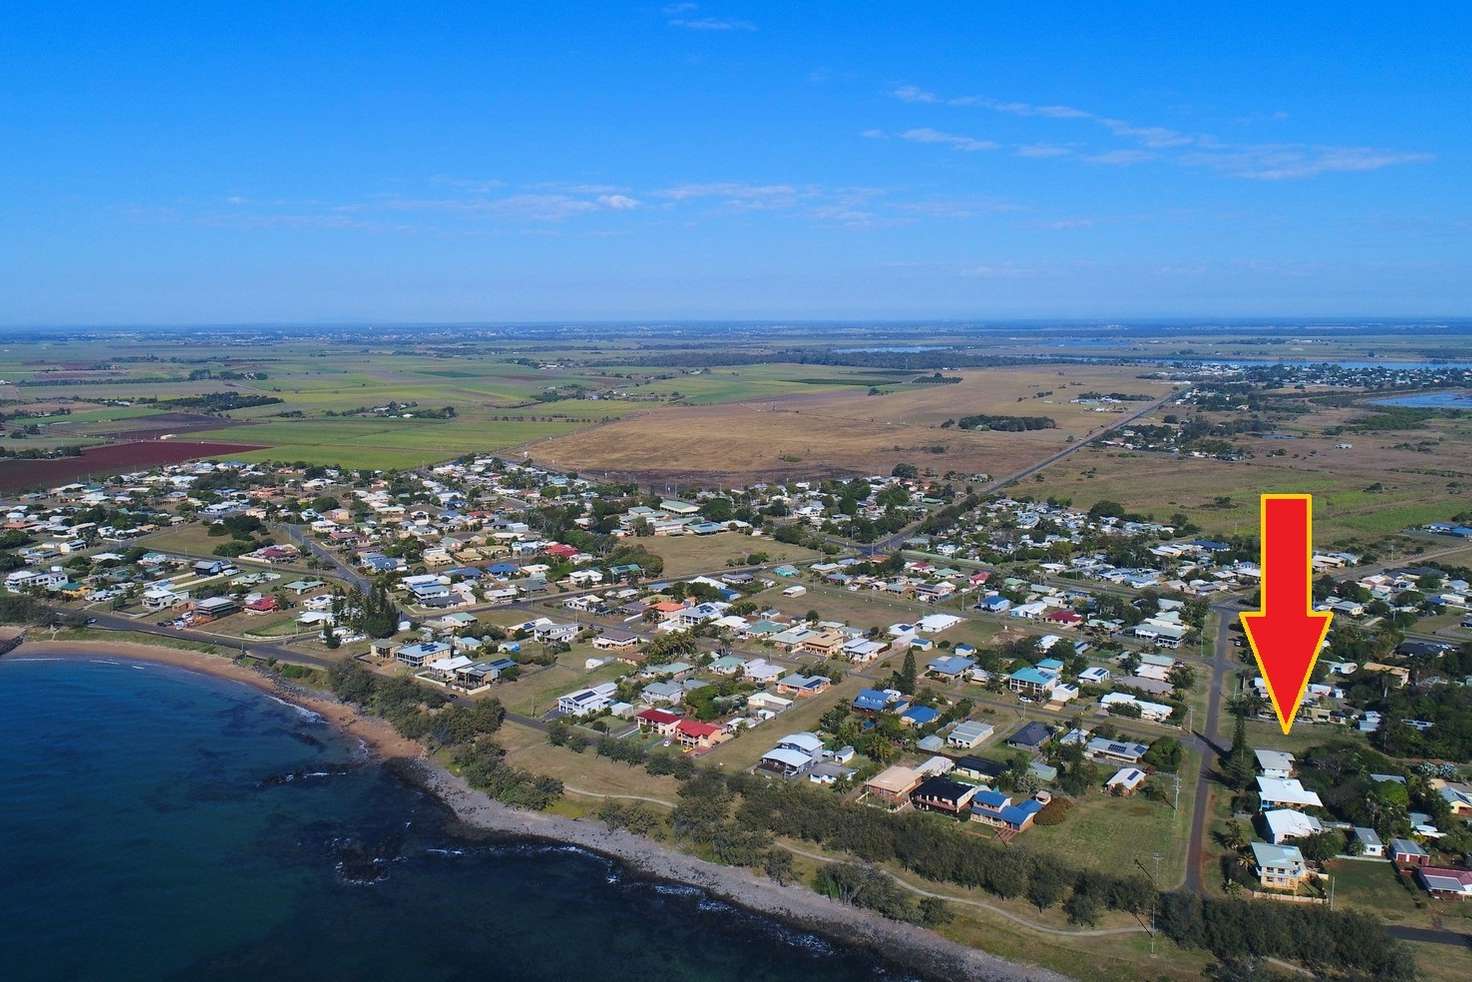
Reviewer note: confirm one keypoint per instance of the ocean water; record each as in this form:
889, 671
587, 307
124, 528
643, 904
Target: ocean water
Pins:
160, 824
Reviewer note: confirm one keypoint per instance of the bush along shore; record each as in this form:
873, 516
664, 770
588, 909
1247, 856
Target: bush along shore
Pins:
735, 818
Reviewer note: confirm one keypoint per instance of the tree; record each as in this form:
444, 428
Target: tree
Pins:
904, 679
1239, 766
1048, 883
777, 864
1082, 908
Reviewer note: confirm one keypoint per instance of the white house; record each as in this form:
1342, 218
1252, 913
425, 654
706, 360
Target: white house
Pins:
584, 702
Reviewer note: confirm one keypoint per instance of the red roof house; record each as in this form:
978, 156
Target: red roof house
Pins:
694, 735
661, 721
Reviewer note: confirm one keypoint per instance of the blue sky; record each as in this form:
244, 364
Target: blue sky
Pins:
382, 162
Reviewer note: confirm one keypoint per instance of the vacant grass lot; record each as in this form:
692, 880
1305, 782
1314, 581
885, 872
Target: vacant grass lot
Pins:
686, 554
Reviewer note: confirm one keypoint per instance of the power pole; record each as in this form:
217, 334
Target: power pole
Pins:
1156, 912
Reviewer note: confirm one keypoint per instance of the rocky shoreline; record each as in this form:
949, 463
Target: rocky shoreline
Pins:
916, 948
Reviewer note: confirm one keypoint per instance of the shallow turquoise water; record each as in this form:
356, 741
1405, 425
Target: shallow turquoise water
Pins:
160, 824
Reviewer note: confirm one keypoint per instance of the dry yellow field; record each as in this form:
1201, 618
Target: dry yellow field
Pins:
802, 435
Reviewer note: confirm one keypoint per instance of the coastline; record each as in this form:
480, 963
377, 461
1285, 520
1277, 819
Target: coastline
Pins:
926, 952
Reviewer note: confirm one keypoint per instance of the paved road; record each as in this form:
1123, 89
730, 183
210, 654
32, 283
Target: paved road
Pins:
1429, 935
307, 543
1205, 741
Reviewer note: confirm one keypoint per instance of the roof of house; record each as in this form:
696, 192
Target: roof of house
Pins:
1274, 760
1034, 734
1406, 847
787, 757
1285, 823
896, 779
1287, 790
1268, 854
943, 788
1446, 878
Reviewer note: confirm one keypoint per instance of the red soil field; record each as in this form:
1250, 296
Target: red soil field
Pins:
113, 458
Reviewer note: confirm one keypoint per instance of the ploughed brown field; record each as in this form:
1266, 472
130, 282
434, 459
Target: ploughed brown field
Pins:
113, 458
807, 435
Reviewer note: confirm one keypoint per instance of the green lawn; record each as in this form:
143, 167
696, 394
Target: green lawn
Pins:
381, 443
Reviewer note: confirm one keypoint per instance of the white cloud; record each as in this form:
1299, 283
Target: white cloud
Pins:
1041, 150
911, 93
1276, 162
618, 202
738, 195
1282, 163
712, 24
1120, 158
925, 134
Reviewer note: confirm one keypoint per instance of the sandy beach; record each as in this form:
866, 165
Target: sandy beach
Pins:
922, 950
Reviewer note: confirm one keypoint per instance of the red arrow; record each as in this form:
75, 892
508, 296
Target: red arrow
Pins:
1286, 633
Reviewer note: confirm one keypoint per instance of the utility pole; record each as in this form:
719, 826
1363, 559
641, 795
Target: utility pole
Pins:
1156, 912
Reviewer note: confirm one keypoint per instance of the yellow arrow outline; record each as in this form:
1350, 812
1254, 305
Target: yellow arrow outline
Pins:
1262, 607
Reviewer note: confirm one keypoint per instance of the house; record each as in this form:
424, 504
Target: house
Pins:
870, 701
615, 639
919, 716
1369, 840
761, 671
998, 810
804, 743
767, 702
1279, 867
951, 666
1033, 682
1032, 736
941, 794
785, 762
584, 702
262, 605
936, 623
1274, 763
968, 733
1125, 782
660, 721
1407, 853
1286, 793
1284, 823
662, 692
1115, 751
1458, 798
979, 769
863, 650
159, 598
213, 608
697, 736
1446, 881
830, 772
419, 654
481, 673
893, 784
803, 686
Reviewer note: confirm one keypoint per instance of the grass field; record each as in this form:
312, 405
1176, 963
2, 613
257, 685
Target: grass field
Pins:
767, 425
536, 691
382, 443
686, 554
1120, 835
1345, 509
